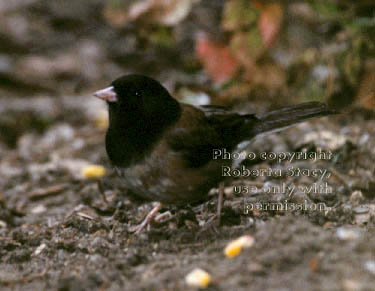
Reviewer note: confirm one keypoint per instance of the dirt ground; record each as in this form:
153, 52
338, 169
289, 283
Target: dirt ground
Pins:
61, 231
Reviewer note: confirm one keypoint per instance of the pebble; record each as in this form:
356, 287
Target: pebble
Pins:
345, 233
370, 266
361, 214
39, 249
38, 209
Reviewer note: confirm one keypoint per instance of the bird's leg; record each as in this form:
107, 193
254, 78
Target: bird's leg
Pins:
162, 216
137, 230
214, 222
220, 202
101, 191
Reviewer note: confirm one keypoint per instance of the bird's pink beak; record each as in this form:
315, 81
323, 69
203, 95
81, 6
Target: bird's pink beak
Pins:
108, 94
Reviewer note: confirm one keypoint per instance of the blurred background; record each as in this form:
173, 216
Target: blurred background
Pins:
249, 55
236, 50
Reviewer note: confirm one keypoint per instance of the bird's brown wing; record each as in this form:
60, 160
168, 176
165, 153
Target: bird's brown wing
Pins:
214, 109
200, 130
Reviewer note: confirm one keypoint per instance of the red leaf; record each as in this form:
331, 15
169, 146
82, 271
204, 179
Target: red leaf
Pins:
270, 23
216, 58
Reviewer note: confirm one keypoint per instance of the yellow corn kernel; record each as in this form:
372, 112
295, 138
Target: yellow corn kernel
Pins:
198, 278
236, 246
93, 171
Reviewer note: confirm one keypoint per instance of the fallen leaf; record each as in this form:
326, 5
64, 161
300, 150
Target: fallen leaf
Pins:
270, 23
217, 59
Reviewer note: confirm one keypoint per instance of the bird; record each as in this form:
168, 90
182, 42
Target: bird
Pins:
163, 149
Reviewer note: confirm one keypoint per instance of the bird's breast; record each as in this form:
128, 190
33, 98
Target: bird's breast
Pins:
164, 177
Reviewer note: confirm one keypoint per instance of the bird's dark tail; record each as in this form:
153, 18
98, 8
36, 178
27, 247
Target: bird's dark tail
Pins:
287, 116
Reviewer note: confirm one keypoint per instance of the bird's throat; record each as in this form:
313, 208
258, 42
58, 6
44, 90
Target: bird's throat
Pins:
130, 138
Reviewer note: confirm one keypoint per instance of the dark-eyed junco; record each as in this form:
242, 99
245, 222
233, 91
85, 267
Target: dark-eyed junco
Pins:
163, 149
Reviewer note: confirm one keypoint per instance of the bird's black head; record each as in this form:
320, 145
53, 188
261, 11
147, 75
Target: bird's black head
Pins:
139, 96
140, 110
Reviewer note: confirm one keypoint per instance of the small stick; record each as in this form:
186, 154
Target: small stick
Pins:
137, 230
220, 202
49, 191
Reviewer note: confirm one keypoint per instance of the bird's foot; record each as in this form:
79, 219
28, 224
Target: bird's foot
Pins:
146, 222
163, 216
210, 227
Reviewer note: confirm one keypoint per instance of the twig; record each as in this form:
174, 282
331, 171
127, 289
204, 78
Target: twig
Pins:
43, 193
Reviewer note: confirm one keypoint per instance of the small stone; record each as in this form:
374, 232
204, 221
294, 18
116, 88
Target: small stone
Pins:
362, 209
95, 258
345, 233
362, 214
325, 139
370, 266
351, 285
39, 249
256, 268
39, 209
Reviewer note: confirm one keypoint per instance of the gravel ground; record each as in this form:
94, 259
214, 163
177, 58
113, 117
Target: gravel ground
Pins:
62, 231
